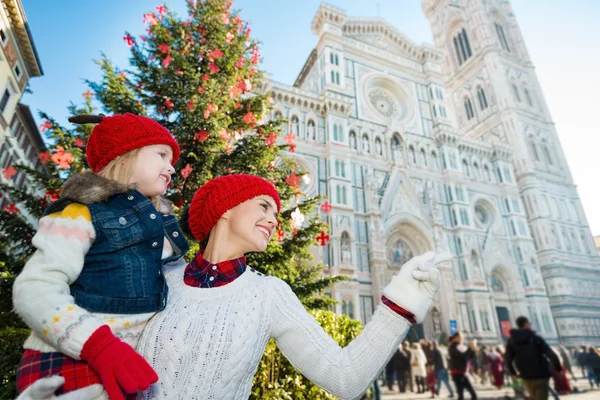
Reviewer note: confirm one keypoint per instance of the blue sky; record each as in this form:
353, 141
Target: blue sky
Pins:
562, 38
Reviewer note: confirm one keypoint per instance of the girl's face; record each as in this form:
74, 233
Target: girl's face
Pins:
152, 169
252, 224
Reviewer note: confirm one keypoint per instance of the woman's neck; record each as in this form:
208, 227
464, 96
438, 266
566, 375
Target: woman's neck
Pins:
215, 252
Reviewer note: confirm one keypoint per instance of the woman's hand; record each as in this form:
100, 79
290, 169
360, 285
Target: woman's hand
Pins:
417, 283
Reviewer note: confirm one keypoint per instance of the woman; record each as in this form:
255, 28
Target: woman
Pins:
221, 314
418, 370
496, 367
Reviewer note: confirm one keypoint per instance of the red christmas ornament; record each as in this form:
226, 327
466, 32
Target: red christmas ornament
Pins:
44, 156
289, 138
292, 148
45, 126
201, 136
323, 238
129, 40
280, 235
271, 139
9, 172
293, 180
326, 207
186, 171
11, 209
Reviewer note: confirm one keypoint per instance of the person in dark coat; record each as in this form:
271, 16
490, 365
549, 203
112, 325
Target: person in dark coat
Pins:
390, 369
529, 357
459, 357
403, 369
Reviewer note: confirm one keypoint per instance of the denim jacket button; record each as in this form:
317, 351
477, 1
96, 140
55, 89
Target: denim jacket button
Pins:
175, 234
130, 197
152, 216
154, 244
122, 220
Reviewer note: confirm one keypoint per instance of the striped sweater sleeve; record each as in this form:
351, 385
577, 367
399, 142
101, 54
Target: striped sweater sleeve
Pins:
41, 293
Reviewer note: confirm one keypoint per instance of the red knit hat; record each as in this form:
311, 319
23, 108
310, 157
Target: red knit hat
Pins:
221, 194
119, 134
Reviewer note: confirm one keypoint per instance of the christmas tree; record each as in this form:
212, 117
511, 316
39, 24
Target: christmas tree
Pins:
198, 76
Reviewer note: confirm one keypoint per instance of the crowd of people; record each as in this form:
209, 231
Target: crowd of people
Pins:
526, 365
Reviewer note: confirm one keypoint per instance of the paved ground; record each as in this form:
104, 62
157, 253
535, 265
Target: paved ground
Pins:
489, 392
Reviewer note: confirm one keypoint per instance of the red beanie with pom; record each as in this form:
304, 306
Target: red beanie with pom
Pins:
221, 194
119, 134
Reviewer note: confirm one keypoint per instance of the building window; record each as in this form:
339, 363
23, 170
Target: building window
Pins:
534, 151
488, 174
434, 161
5, 98
424, 157
331, 57
17, 70
337, 61
332, 77
516, 93
462, 46
3, 36
524, 277
528, 97
469, 109
502, 36
483, 104
547, 154
344, 195
412, 157
366, 308
465, 165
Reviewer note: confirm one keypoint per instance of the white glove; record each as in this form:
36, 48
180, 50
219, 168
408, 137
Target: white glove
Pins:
44, 388
417, 283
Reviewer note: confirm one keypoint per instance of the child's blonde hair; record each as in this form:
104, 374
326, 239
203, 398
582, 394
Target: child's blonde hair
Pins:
121, 168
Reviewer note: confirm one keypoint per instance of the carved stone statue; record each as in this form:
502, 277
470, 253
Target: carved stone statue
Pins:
378, 149
365, 144
311, 130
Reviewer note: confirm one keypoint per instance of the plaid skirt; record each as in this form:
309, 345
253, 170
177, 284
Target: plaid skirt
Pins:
35, 365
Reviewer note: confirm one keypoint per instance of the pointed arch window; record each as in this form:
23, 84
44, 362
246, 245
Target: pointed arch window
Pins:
462, 47
483, 104
469, 109
501, 36
434, 160
528, 97
516, 93
534, 150
424, 157
547, 154
412, 157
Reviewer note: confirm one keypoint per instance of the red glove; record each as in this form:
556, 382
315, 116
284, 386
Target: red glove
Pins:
117, 363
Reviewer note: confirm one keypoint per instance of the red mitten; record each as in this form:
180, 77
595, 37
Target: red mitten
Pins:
117, 363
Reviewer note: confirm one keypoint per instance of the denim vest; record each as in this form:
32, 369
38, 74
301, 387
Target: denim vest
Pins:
122, 272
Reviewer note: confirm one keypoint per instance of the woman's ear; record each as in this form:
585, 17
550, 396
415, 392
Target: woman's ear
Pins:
226, 214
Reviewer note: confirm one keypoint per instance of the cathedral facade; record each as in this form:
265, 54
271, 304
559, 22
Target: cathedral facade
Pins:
444, 147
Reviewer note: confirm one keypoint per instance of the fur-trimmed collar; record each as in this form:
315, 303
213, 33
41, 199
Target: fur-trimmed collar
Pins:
88, 188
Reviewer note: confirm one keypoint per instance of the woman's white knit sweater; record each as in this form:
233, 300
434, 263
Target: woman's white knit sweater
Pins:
207, 343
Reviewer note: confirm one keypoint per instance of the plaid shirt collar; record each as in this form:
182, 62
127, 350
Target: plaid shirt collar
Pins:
202, 273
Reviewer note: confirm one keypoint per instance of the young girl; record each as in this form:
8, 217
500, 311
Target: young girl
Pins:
96, 277
208, 342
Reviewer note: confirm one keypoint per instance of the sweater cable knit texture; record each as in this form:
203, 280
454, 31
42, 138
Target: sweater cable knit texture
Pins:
207, 343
